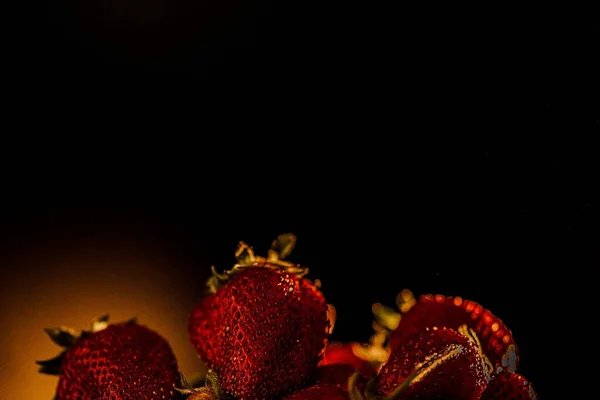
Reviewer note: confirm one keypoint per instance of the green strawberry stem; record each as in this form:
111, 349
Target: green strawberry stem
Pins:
378, 350
65, 337
210, 391
245, 257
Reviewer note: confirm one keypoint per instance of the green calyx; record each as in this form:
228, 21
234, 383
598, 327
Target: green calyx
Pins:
65, 337
245, 257
210, 391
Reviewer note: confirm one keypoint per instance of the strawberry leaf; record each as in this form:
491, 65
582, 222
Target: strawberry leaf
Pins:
51, 366
62, 336
244, 254
100, 323
284, 245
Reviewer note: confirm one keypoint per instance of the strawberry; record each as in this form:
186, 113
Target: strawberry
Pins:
447, 365
341, 360
121, 361
319, 392
263, 326
506, 385
337, 353
338, 375
497, 342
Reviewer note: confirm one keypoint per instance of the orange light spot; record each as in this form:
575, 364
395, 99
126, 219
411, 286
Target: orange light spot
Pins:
495, 327
457, 301
470, 306
478, 309
506, 339
439, 298
487, 318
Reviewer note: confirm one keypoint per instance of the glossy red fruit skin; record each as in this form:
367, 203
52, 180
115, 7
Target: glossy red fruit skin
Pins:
460, 376
319, 392
122, 361
451, 312
341, 353
508, 386
263, 332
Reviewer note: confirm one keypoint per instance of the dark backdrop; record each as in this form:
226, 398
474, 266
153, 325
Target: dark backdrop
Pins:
437, 150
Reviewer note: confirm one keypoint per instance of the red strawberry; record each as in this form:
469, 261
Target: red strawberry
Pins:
319, 392
121, 361
448, 365
496, 339
343, 353
508, 386
263, 327
338, 375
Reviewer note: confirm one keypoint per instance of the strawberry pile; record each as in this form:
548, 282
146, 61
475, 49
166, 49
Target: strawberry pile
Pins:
263, 329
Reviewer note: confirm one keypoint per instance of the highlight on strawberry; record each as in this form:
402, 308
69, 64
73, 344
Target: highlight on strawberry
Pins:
263, 325
124, 361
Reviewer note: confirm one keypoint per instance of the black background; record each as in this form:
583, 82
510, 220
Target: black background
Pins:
445, 151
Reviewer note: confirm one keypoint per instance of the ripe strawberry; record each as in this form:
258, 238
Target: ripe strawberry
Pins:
508, 386
121, 361
448, 365
337, 353
496, 339
319, 392
263, 326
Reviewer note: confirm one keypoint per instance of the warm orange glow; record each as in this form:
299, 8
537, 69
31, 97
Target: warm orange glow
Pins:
495, 326
487, 318
70, 281
458, 301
